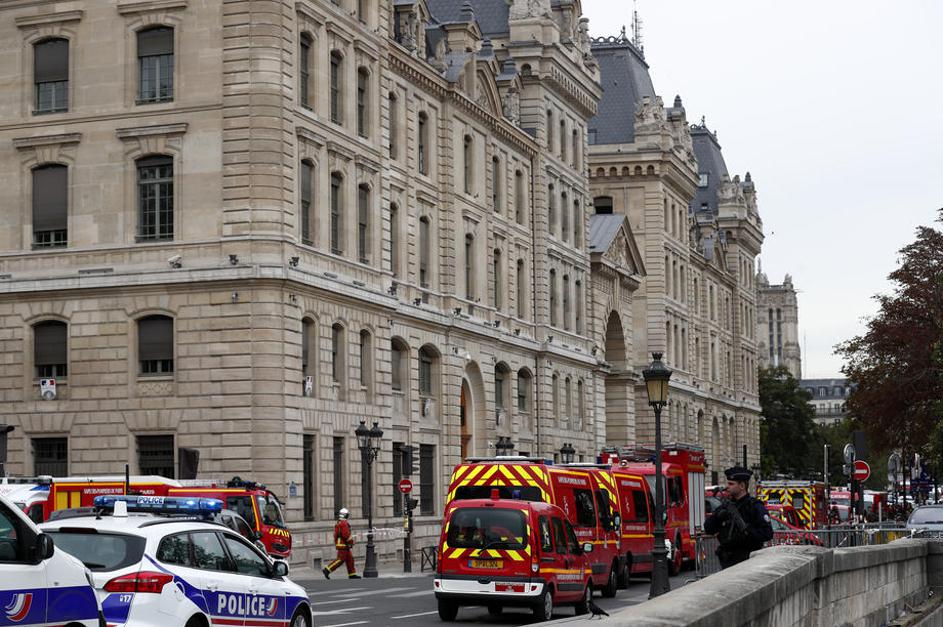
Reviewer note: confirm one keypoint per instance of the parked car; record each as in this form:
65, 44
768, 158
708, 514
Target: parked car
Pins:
927, 520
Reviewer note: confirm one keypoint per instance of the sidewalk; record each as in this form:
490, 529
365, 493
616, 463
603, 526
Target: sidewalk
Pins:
385, 570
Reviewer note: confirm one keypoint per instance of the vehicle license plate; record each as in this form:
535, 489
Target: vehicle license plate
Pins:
484, 564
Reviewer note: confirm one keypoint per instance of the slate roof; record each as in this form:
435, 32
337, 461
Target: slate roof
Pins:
625, 80
603, 228
709, 160
491, 15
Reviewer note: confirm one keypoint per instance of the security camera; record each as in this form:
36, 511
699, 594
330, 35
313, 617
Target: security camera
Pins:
175, 261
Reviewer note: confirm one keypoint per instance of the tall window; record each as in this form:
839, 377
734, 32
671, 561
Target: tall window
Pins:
424, 251
469, 266
579, 307
156, 455
155, 198
496, 184
426, 362
501, 386
467, 163
50, 206
394, 240
498, 295
338, 354
363, 104
307, 180
51, 457
339, 473
304, 70
394, 126
521, 282
577, 223
519, 198
555, 395
156, 64
427, 479
51, 349
549, 130
564, 216
553, 298
397, 365
337, 114
363, 223
337, 183
523, 391
575, 146
423, 143
551, 209
51, 75
562, 140
156, 345
308, 470
366, 360
580, 407
568, 397
362, 11
308, 351
566, 302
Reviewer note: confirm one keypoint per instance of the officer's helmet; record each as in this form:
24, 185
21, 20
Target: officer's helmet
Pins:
344, 513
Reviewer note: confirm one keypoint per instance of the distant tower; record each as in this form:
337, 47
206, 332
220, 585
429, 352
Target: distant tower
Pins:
777, 325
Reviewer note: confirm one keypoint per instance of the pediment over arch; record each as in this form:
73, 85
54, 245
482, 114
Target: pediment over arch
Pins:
612, 243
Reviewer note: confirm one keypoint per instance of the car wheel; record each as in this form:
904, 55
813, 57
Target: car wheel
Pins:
544, 608
582, 606
495, 610
625, 575
612, 585
196, 621
448, 610
300, 619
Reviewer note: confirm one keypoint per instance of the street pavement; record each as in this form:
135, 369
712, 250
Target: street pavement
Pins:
395, 599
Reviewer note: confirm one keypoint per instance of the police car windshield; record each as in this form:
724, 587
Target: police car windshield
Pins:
271, 511
481, 528
100, 551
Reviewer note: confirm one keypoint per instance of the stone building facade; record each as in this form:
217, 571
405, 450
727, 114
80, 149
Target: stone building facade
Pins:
243, 227
777, 322
829, 398
698, 233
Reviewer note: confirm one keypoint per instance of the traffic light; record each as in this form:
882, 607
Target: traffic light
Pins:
411, 504
410, 460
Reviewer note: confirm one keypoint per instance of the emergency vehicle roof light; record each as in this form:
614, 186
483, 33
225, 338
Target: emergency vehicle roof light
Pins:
494, 494
161, 505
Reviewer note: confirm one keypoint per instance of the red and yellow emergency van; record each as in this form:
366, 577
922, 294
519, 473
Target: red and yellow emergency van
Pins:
806, 497
500, 552
587, 496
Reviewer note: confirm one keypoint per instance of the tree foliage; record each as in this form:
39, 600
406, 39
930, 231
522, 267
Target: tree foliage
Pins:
897, 364
788, 439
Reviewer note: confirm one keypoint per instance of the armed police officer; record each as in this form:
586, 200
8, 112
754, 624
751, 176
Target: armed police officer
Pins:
741, 523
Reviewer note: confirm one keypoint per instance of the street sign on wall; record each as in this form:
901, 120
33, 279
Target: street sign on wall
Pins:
862, 470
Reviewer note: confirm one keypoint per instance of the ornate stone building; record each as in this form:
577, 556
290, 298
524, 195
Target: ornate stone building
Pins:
243, 227
777, 322
698, 234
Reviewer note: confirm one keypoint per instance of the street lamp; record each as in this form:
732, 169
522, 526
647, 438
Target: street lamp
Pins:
567, 453
656, 378
504, 445
368, 441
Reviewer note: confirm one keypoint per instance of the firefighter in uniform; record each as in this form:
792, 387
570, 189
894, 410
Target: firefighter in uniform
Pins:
344, 543
742, 523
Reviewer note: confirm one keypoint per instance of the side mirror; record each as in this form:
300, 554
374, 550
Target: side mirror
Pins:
44, 548
280, 568
587, 547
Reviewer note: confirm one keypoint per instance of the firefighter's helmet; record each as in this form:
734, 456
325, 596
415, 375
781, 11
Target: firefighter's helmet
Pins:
344, 513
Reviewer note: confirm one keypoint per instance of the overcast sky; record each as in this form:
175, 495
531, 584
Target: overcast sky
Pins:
836, 108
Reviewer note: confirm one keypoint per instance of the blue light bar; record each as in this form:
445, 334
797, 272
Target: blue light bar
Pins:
191, 506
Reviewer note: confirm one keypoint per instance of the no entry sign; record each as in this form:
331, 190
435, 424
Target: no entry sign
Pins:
862, 470
405, 486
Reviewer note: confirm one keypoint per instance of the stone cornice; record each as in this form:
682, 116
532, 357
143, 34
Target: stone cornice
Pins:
367, 163
310, 136
340, 150
149, 6
60, 17
149, 131
22, 143
302, 9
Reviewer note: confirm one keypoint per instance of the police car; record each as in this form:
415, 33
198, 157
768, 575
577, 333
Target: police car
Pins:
152, 568
39, 585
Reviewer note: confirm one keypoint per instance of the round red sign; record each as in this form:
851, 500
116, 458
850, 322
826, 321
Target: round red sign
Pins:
405, 486
862, 470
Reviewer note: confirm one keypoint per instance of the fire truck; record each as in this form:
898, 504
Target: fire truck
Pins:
807, 498
39, 497
683, 476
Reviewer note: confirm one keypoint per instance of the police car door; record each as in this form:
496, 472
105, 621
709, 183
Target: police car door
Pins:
223, 589
22, 583
267, 597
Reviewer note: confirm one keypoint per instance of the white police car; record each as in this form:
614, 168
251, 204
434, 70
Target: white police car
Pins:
152, 569
38, 584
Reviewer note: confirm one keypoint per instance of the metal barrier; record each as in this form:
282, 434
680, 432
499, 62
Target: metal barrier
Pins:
705, 554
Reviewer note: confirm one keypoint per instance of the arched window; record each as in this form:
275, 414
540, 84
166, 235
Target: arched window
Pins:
521, 280
394, 240
51, 75
470, 266
307, 192
553, 297
50, 206
366, 361
549, 130
502, 386
339, 356
337, 77
363, 223
51, 349
468, 163
576, 147
497, 184
363, 102
577, 222
579, 306
155, 64
337, 213
566, 302
562, 140
564, 216
580, 405
551, 209
568, 396
424, 252
523, 390
555, 395
498, 274
156, 345
423, 143
305, 44
394, 126
520, 200
309, 352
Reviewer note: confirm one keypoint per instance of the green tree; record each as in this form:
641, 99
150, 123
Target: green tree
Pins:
897, 364
788, 438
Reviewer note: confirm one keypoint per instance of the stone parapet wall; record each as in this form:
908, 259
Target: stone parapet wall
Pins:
809, 586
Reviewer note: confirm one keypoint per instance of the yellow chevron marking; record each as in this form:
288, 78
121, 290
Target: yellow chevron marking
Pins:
516, 556
457, 553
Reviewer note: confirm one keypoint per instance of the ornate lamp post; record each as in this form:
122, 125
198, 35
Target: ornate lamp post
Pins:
656, 382
368, 441
567, 453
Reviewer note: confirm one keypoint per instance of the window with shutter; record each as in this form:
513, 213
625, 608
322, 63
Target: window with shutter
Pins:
51, 75
50, 206
155, 65
156, 345
50, 349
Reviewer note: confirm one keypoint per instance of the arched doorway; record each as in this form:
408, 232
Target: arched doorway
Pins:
620, 415
472, 413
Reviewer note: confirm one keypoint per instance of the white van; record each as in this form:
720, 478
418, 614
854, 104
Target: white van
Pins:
38, 584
